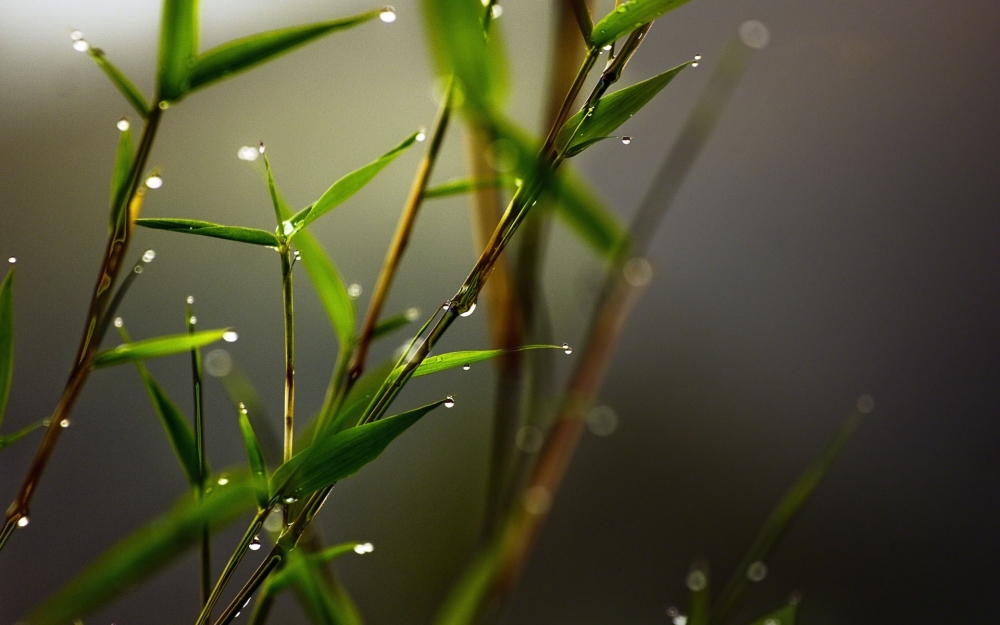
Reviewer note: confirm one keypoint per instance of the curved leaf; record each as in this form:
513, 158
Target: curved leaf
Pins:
120, 80
178, 47
443, 362
468, 185
156, 347
628, 16
6, 339
120, 178
209, 229
175, 424
255, 457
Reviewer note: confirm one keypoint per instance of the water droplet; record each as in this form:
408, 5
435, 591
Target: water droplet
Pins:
192, 320
469, 311
421, 135
137, 269
757, 571
218, 363
626, 140
388, 15
287, 228
866, 403
119, 322
290, 499
65, 423
606, 48
261, 148
230, 336
696, 580
518, 182
76, 35
694, 64
466, 367
529, 439
362, 548
23, 522
486, 3
446, 305
247, 153
81, 45
754, 34
255, 543
697, 57
537, 500
637, 272
123, 124
449, 402
602, 420
672, 612
795, 598
154, 182
680, 619
148, 256
12, 260
242, 407
354, 290
237, 614
164, 105
496, 10
412, 314
223, 481
273, 521
566, 348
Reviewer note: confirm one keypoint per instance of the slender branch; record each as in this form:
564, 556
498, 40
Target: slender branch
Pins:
230, 568
289, 316
205, 547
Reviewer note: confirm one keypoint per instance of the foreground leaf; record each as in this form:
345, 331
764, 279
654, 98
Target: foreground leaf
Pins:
6, 339
145, 551
255, 457
627, 17
334, 457
120, 178
209, 229
175, 424
178, 47
120, 80
781, 616
156, 347
443, 362
242, 54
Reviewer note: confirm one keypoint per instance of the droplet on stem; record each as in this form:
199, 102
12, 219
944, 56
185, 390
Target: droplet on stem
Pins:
362, 548
119, 322
421, 135
65, 423
23, 522
154, 182
76, 35
12, 260
230, 336
566, 348
190, 299
696, 580
247, 153
81, 45
148, 256
354, 290
626, 140
466, 367
387, 15
260, 148
496, 11
123, 124
449, 402
471, 309
192, 320
255, 543
223, 481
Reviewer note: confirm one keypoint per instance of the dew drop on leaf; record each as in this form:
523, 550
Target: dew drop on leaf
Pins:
449, 402
387, 15
255, 543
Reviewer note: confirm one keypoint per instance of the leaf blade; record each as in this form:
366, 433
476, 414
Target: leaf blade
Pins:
120, 178
627, 17
175, 424
178, 47
255, 457
451, 360
468, 185
156, 347
121, 81
239, 234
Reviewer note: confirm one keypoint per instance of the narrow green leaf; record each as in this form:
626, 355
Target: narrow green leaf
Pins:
6, 339
698, 603
345, 188
120, 178
208, 229
461, 606
242, 54
468, 185
334, 457
388, 325
19, 434
178, 48
461, 48
175, 424
156, 347
782, 616
324, 605
286, 576
628, 16
120, 80
145, 551
443, 362
241, 390
611, 111
255, 457
360, 396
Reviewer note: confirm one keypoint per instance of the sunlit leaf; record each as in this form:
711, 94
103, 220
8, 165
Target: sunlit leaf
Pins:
178, 47
156, 347
146, 551
121, 177
120, 80
175, 424
782, 616
443, 362
255, 457
209, 229
468, 185
627, 17
6, 338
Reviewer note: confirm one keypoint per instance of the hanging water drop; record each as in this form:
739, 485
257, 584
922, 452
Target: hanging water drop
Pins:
471, 309
137, 269
119, 322
362, 548
230, 336
626, 140
449, 402
190, 299
22, 522
421, 135
606, 48
12, 260
148, 256
123, 124
223, 481
247, 153
81, 45
694, 64
290, 499
242, 408
388, 15
154, 182
192, 320
697, 57
496, 11
76, 35
255, 543
260, 148
757, 571
567, 349
466, 367
354, 290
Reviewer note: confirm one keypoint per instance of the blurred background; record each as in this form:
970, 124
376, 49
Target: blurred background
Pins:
838, 236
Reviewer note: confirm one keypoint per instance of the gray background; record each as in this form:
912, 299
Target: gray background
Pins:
838, 236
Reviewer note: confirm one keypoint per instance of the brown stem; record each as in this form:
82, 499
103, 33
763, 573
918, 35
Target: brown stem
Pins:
289, 316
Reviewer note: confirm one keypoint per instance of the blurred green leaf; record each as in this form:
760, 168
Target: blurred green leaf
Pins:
120, 80
241, 390
145, 551
443, 362
178, 47
242, 54
468, 185
463, 602
333, 457
6, 339
120, 178
782, 616
255, 457
19, 434
345, 188
698, 603
324, 605
209, 229
628, 16
286, 576
175, 424
388, 325
610, 112
156, 347
461, 48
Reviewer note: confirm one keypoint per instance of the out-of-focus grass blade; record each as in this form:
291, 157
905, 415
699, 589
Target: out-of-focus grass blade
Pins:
120, 80
781, 616
6, 339
323, 605
255, 457
611, 111
627, 17
241, 390
334, 457
156, 347
468, 185
345, 188
461, 48
462, 604
443, 362
174, 423
242, 54
120, 178
19, 434
286, 576
388, 325
178, 47
145, 551
698, 604
209, 229
360, 396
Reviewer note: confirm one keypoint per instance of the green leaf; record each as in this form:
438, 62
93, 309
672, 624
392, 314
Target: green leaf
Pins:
175, 424
120, 80
323, 604
209, 229
156, 347
145, 551
698, 604
463, 602
782, 616
286, 576
611, 111
6, 338
628, 16
120, 178
334, 457
443, 362
345, 188
242, 54
178, 48
240, 390
388, 325
468, 185
461, 48
255, 457
360, 396
19, 434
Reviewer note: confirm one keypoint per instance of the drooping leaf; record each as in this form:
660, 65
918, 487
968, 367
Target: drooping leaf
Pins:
209, 229
611, 111
782, 616
443, 362
120, 178
156, 347
6, 339
336, 456
461, 48
120, 80
468, 185
244, 53
628, 16
145, 551
345, 188
255, 457
19, 434
175, 424
178, 47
